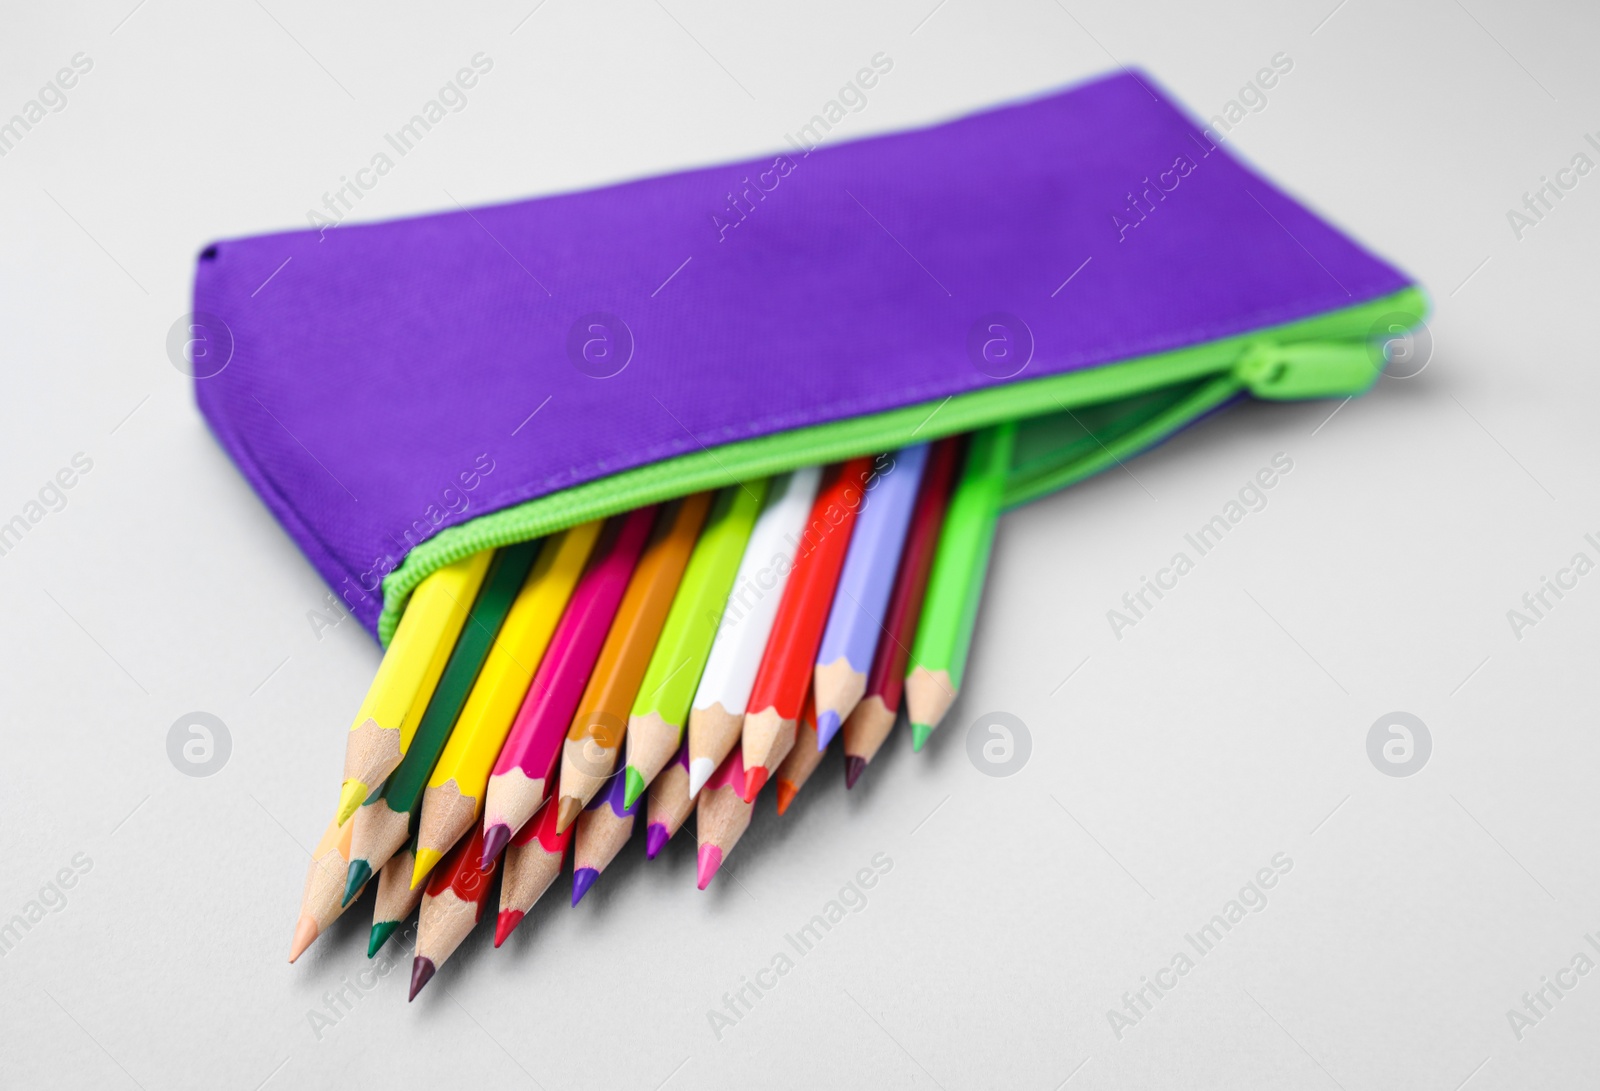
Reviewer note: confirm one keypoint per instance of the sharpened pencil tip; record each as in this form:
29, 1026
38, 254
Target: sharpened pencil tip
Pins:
505, 924
569, 809
422, 971
919, 736
633, 786
754, 778
356, 878
426, 858
706, 869
305, 934
655, 839
787, 790
853, 768
582, 880
700, 770
494, 842
351, 793
381, 931
828, 724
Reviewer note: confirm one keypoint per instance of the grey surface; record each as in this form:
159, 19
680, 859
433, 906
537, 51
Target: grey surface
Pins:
1167, 766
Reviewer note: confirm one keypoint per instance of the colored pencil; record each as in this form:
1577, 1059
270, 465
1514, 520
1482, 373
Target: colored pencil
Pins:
396, 897
717, 713
855, 620
955, 585
451, 908
803, 759
384, 822
389, 715
669, 803
532, 862
724, 816
786, 665
869, 725
603, 828
454, 792
526, 764
655, 726
595, 739
323, 899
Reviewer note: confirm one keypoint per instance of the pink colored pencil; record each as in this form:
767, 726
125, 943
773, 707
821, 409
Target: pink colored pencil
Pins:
526, 765
723, 816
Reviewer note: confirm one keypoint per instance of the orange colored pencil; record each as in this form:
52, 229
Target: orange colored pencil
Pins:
802, 760
601, 722
791, 654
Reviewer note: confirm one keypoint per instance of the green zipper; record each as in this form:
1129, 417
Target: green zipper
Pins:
1075, 425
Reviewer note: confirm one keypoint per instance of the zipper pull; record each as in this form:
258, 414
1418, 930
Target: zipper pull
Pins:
1308, 369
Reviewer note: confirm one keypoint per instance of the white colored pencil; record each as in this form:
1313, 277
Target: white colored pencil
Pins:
717, 713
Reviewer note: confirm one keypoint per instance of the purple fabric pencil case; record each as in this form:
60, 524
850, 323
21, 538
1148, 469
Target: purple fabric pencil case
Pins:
1088, 263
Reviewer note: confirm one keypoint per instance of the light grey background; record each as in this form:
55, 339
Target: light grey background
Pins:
1167, 766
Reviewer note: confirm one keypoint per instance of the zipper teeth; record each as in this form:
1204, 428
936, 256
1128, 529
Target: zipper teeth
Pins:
862, 436
766, 455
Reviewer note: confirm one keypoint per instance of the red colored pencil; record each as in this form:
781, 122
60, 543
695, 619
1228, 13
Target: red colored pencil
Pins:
533, 860
791, 653
451, 907
869, 725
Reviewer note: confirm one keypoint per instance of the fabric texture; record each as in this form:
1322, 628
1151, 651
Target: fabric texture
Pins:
389, 380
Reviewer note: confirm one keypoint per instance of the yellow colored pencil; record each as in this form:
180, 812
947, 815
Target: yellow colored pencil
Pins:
454, 795
410, 670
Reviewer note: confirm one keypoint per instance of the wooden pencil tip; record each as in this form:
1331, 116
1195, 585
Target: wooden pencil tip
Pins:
356, 878
426, 858
495, 839
351, 793
786, 790
633, 786
422, 971
305, 934
505, 924
853, 768
919, 736
706, 869
655, 839
381, 931
569, 809
582, 880
754, 778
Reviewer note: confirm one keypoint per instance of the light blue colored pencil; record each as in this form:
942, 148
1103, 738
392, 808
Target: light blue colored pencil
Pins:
855, 621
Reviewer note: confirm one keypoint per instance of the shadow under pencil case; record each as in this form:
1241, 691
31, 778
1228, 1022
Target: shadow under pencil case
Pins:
1088, 263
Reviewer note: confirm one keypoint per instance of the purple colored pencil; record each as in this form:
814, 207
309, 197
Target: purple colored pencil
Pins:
603, 828
669, 802
855, 620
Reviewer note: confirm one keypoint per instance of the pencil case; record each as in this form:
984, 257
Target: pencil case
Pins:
1089, 263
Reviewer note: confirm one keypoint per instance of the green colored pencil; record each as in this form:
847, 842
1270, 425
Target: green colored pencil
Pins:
655, 724
944, 633
383, 823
